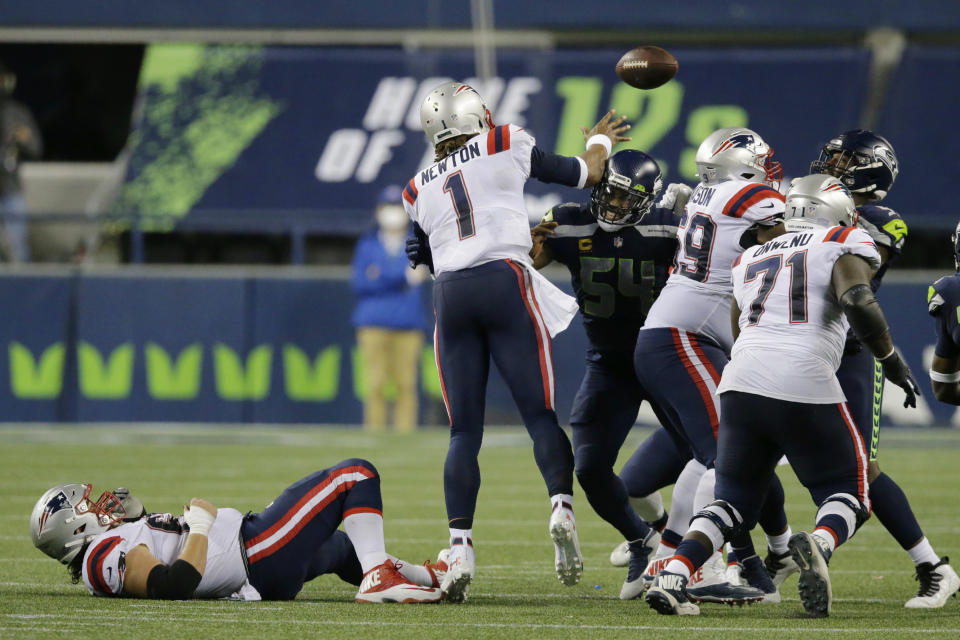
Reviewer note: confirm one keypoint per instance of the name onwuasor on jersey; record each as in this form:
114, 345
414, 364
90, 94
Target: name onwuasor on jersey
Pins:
392, 119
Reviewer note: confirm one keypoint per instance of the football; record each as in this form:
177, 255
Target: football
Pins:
647, 67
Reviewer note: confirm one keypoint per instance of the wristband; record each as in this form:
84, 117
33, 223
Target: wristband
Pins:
892, 351
602, 140
936, 376
198, 519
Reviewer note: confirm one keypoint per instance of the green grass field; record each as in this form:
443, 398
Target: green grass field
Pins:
515, 592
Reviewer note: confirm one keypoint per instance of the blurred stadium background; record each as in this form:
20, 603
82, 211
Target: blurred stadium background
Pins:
208, 167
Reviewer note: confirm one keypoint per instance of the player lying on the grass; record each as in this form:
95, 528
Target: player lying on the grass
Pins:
867, 164
794, 298
619, 249
117, 549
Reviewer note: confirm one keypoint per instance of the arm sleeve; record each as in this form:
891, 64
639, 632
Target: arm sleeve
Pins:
175, 582
550, 167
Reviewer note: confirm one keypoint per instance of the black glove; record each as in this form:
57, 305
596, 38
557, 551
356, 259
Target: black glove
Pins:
895, 370
418, 248
131, 505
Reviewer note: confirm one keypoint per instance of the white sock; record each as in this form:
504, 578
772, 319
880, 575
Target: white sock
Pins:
365, 531
923, 552
463, 534
649, 508
778, 544
681, 509
704, 495
678, 566
820, 534
561, 497
416, 573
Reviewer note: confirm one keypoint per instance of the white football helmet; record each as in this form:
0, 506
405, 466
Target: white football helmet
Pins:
453, 109
818, 200
736, 153
65, 520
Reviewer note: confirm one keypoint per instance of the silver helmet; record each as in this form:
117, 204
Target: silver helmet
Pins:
65, 520
818, 200
453, 109
736, 153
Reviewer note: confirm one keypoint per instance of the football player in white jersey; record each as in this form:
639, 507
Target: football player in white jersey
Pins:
469, 211
794, 298
117, 549
684, 344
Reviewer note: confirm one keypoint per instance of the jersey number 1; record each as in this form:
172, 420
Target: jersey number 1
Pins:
457, 189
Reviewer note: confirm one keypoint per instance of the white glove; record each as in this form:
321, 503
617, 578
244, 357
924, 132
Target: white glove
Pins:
198, 519
675, 197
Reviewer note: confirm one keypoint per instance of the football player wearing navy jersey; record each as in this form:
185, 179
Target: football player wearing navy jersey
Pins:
619, 249
943, 300
867, 165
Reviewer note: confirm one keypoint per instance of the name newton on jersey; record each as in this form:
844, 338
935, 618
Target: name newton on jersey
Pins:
799, 240
465, 154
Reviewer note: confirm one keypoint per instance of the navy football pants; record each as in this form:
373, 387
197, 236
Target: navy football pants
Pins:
295, 539
824, 448
604, 410
484, 312
861, 379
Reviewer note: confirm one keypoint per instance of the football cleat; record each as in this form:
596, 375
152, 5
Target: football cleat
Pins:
438, 569
461, 566
780, 566
811, 556
709, 584
384, 583
732, 574
567, 558
640, 550
667, 596
655, 566
620, 556
937, 583
754, 574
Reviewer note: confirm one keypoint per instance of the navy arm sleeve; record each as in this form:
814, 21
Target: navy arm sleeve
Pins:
550, 167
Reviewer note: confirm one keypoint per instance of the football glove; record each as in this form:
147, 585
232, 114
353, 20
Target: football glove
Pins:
675, 197
895, 370
418, 248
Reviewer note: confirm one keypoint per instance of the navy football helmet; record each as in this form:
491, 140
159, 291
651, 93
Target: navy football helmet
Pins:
631, 183
862, 160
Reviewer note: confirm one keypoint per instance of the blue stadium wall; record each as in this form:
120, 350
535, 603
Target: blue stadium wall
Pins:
259, 349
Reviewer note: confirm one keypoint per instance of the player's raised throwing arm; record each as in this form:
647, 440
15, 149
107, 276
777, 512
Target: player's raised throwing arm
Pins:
147, 577
851, 284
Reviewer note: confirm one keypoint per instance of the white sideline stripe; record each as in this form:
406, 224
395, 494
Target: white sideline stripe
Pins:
66, 621
542, 330
304, 511
701, 369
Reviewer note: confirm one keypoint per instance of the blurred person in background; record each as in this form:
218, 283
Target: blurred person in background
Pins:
19, 138
388, 316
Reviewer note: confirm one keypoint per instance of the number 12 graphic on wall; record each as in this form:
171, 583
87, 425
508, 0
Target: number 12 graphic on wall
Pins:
457, 189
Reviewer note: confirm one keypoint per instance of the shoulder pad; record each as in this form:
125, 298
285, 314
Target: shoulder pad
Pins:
570, 213
884, 225
937, 293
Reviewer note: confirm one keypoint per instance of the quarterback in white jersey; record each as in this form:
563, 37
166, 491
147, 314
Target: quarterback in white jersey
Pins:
117, 549
780, 395
473, 232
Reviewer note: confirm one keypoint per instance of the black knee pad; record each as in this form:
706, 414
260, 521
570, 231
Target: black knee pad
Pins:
712, 513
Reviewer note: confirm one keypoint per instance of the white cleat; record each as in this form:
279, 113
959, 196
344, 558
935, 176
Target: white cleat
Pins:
732, 574
780, 566
384, 583
460, 569
937, 583
816, 594
620, 556
568, 560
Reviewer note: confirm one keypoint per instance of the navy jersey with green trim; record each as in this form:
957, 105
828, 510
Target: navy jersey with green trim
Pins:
943, 303
888, 230
616, 276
